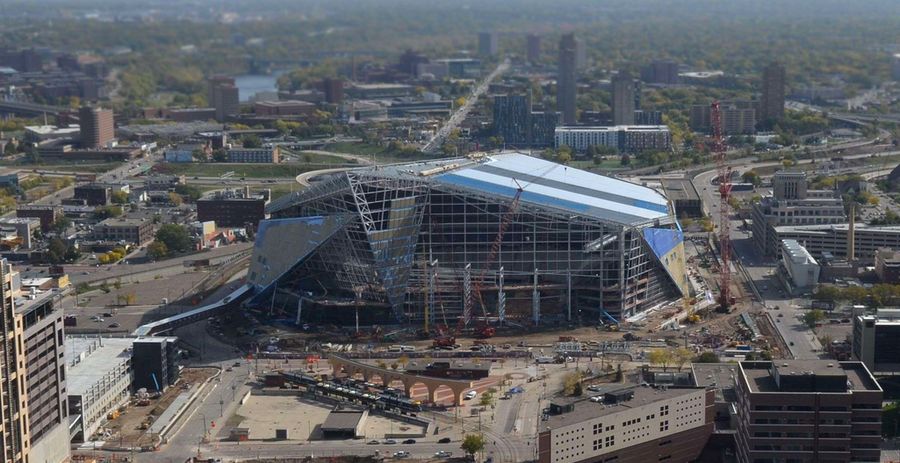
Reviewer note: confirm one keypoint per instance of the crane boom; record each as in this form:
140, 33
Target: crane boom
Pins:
724, 232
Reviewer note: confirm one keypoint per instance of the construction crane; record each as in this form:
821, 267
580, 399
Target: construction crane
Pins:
724, 232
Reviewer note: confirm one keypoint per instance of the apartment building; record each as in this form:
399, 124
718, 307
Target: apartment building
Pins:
254, 155
635, 424
626, 138
100, 375
807, 411
875, 340
136, 231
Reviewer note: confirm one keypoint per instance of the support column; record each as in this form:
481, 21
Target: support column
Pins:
501, 300
535, 300
467, 294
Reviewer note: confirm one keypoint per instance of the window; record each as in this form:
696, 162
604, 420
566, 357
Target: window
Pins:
664, 426
664, 410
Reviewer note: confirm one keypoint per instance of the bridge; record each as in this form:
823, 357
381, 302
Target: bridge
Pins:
229, 302
29, 109
345, 367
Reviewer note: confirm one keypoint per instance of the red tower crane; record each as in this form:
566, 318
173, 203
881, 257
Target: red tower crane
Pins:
724, 232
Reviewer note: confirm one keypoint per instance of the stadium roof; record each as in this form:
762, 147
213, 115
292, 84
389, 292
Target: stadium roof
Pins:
550, 184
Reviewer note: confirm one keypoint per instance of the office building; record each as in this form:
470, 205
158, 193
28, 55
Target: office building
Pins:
511, 119
134, 231
154, 362
800, 269
99, 381
254, 155
630, 425
566, 84
623, 103
24, 60
42, 133
792, 204
93, 194
887, 265
45, 380
581, 60
487, 43
379, 91
46, 214
23, 228
97, 128
875, 341
284, 108
625, 138
533, 48
684, 197
543, 128
807, 410
660, 72
772, 101
832, 240
233, 209
334, 90
627, 230
223, 95
738, 117
410, 60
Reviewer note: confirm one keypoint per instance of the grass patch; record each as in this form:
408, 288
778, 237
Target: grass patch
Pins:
240, 170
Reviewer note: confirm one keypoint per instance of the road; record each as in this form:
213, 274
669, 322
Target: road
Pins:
460, 114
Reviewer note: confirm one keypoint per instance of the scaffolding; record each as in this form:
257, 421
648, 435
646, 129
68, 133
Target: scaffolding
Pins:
552, 265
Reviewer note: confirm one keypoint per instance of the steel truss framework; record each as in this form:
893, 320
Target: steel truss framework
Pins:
412, 240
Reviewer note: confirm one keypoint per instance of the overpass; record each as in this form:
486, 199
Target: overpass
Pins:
343, 366
229, 302
29, 109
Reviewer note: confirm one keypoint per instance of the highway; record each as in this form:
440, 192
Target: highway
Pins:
460, 114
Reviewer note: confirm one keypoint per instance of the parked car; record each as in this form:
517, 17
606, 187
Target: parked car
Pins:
444, 440
443, 454
409, 441
114, 325
390, 441
401, 454
470, 395
373, 442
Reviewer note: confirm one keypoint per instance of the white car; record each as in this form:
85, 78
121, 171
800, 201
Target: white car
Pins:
401, 454
470, 395
443, 454
597, 398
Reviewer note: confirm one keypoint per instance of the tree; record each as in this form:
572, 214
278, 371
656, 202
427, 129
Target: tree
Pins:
681, 356
403, 360
751, 176
220, 155
56, 251
175, 237
626, 160
472, 444
707, 357
251, 141
563, 154
106, 212
570, 381
175, 199
813, 317
188, 191
119, 197
61, 224
578, 391
157, 250
661, 357
487, 398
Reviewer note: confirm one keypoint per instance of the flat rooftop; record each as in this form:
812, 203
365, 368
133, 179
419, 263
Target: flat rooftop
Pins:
680, 189
721, 376
89, 359
760, 378
343, 419
585, 409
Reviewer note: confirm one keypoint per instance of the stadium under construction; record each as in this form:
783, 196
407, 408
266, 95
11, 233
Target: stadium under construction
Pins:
499, 237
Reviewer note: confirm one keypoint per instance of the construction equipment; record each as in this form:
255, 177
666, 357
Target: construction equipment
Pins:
724, 232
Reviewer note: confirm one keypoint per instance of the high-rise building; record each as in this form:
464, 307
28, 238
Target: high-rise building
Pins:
222, 94
625, 138
511, 114
580, 54
565, 79
543, 128
487, 43
807, 410
660, 72
738, 117
875, 341
772, 102
895, 66
533, 48
97, 128
14, 428
334, 90
623, 102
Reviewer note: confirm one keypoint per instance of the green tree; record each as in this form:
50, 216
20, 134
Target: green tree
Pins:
811, 318
106, 212
751, 176
220, 155
189, 191
579, 390
472, 444
56, 251
175, 237
119, 197
157, 250
251, 141
61, 224
660, 357
570, 382
707, 357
